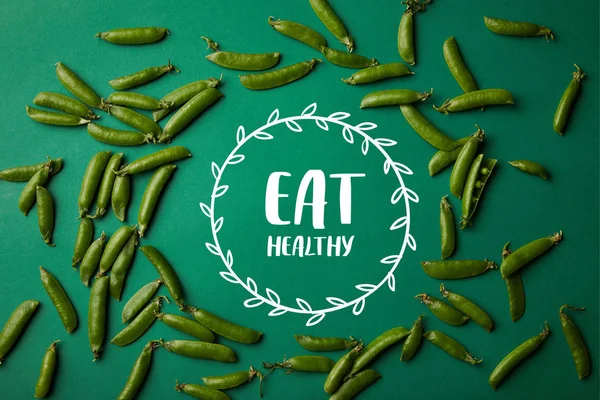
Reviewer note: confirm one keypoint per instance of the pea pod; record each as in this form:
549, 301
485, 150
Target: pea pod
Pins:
202, 350
90, 260
45, 208
143, 35
141, 323
189, 112
479, 173
567, 101
516, 357
339, 370
137, 302
154, 160
135, 120
114, 246
377, 73
467, 307
59, 298
230, 381
447, 231
14, 327
348, 60
137, 100
579, 350
53, 118
121, 266
332, 22
299, 32
47, 372
74, 84
514, 287
279, 77
188, 326
443, 311
65, 104
118, 137
200, 392
138, 373
85, 236
167, 273
378, 346
476, 99
442, 158
27, 197
241, 61
91, 181
514, 28
527, 253
457, 269
406, 46
451, 346
97, 314
394, 97
24, 174
356, 384
141, 77
463, 163
120, 196
315, 343
181, 96
304, 364
530, 167
413, 341
106, 184
457, 66
225, 328
426, 130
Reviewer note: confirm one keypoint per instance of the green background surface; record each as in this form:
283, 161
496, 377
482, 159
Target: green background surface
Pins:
517, 207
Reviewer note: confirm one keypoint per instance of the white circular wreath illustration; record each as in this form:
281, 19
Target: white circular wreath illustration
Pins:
270, 297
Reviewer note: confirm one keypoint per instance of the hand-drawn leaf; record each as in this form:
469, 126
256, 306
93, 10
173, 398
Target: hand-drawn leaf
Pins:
336, 301
277, 312
310, 110
411, 195
385, 142
229, 259
359, 306
399, 223
411, 242
364, 147
315, 319
205, 209
366, 126
392, 282
303, 304
220, 191
236, 159
213, 249
263, 136
321, 123
274, 116
229, 277
397, 195
253, 302
274, 297
293, 126
365, 287
338, 116
389, 259
215, 170
386, 166
403, 168
218, 225
347, 134
240, 135
251, 285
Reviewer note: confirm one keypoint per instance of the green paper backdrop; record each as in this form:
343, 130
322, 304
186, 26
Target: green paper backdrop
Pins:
516, 207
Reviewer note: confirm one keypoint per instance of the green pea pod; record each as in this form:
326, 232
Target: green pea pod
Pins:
114, 246
91, 259
476, 99
527, 253
515, 357
121, 267
479, 173
182, 95
154, 160
136, 100
141, 77
118, 137
279, 77
299, 32
14, 327
137, 302
91, 181
141, 323
74, 84
307, 364
188, 326
135, 120
24, 174
47, 372
53, 118
426, 130
106, 184
347, 60
514, 287
451, 347
441, 159
530, 167
457, 66
579, 350
470, 309
167, 274
230, 381
394, 97
447, 231
332, 21
85, 236
27, 198
120, 196
457, 269
65, 104
356, 384
567, 101
45, 208
413, 341
377, 73
463, 163
59, 298
241, 61
515, 28
315, 343
443, 311
143, 35
138, 373
200, 392
339, 370
189, 112
97, 314
225, 328
202, 350
378, 346
406, 46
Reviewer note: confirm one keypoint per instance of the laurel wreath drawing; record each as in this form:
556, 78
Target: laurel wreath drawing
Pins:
349, 134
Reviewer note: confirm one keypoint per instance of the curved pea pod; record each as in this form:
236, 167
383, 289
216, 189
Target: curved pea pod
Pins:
413, 341
91, 258
135, 120
332, 22
516, 28
229, 381
27, 197
143, 35
202, 350
121, 267
476, 99
467, 307
188, 326
141, 323
65, 104
307, 364
141, 77
479, 173
85, 236
200, 392
59, 298
515, 357
279, 77
120, 196
136, 100
45, 208
447, 231
114, 246
442, 158
406, 46
299, 32
463, 163
451, 346
135, 304
567, 101
225, 328
91, 181
579, 350
339, 370
182, 94
74, 84
347, 60
118, 137
154, 160
356, 384
139, 372
393, 97
527, 253
47, 372
457, 269
106, 184
97, 315
426, 130
530, 167
24, 174
377, 73
457, 66
315, 343
378, 346
189, 112
16, 324
241, 61
167, 273
54, 118
443, 311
